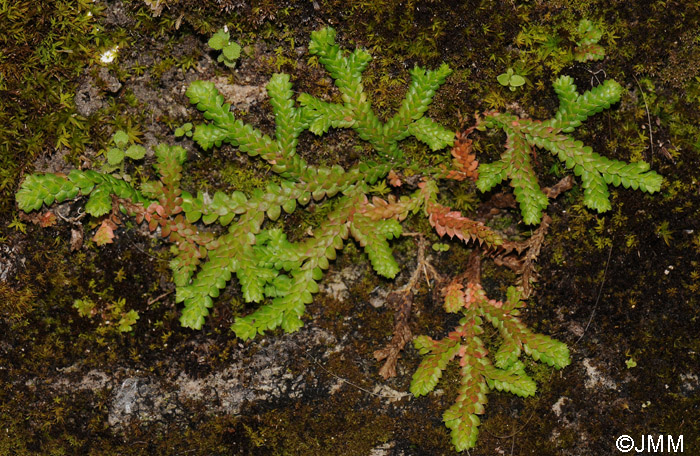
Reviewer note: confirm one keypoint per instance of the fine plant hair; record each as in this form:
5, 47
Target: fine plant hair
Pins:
282, 275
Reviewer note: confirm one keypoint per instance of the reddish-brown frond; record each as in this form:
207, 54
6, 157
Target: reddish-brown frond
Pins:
464, 160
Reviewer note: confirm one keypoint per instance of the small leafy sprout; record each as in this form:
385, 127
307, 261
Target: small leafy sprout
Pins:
185, 130
230, 50
440, 247
85, 307
17, 225
630, 363
115, 155
665, 233
120, 275
121, 138
380, 188
128, 320
510, 79
587, 47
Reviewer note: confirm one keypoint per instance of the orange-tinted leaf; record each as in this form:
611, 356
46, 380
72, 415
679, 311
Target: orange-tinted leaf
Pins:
105, 233
454, 297
454, 224
153, 224
47, 219
394, 179
464, 160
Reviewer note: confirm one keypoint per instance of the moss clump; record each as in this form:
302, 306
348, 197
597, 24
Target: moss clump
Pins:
45, 45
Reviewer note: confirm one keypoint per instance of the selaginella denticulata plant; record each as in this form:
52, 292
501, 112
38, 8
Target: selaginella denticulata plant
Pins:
284, 275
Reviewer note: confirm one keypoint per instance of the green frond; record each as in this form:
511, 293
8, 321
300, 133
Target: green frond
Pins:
507, 354
420, 94
548, 350
461, 418
185, 263
169, 160
323, 41
491, 175
373, 236
429, 372
205, 96
289, 121
100, 201
40, 189
284, 311
596, 171
513, 380
431, 133
324, 115
528, 193
208, 136
195, 311
477, 374
575, 108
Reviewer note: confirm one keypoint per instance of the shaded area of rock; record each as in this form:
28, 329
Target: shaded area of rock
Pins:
255, 375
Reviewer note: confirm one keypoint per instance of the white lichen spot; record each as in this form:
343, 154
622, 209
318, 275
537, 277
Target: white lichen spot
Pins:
596, 378
556, 408
110, 55
389, 394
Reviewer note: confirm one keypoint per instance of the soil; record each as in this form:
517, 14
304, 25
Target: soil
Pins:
619, 288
